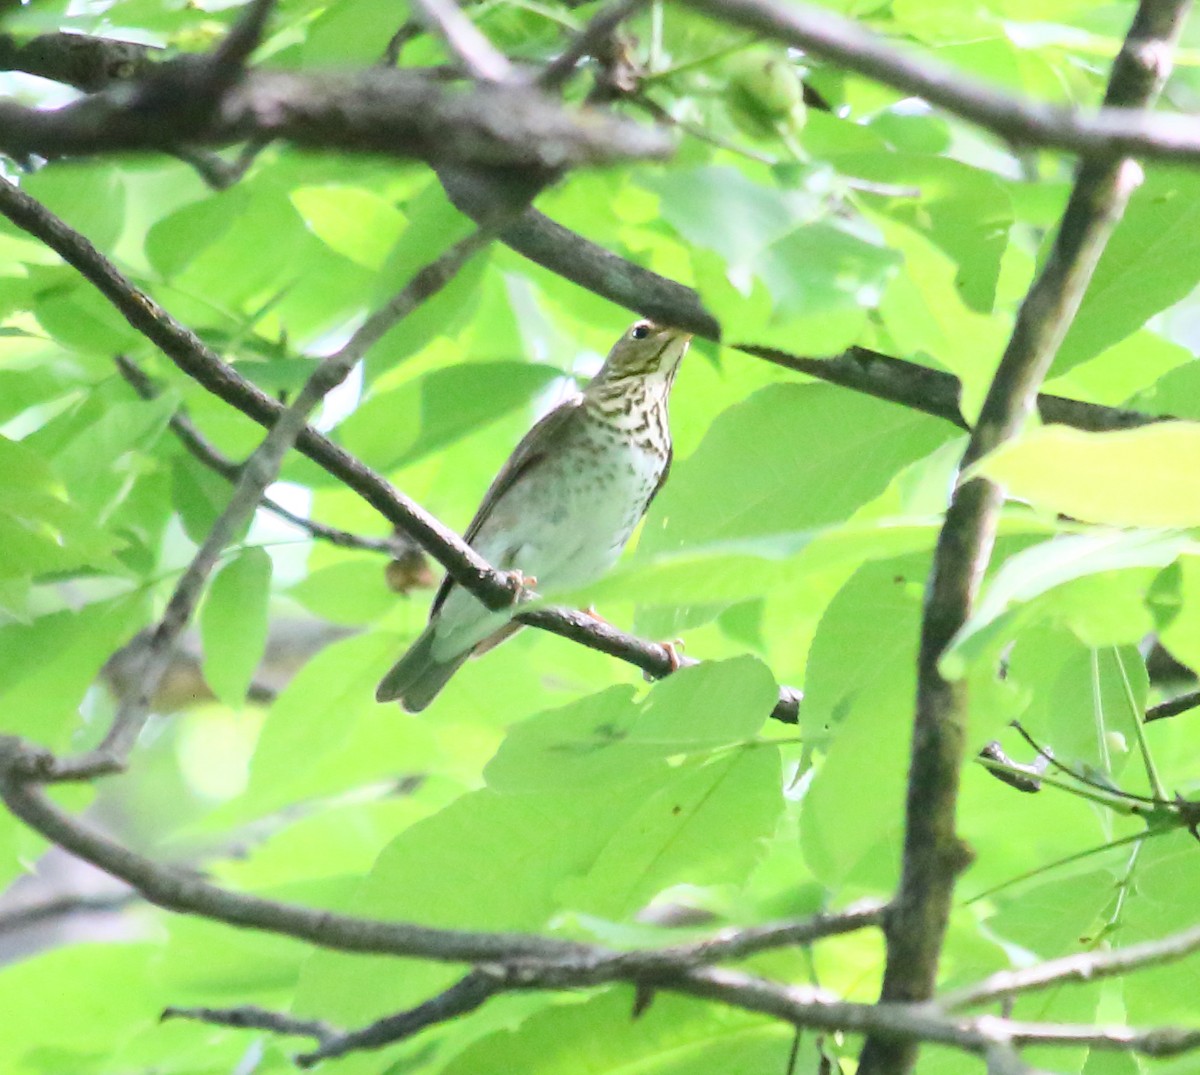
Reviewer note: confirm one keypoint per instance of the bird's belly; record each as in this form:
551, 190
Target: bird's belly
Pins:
575, 522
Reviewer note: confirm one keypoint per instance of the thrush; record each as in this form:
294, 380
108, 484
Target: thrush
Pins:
562, 507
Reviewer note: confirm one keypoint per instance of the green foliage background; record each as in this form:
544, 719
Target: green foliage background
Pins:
550, 789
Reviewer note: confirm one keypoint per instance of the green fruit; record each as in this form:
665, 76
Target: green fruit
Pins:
765, 92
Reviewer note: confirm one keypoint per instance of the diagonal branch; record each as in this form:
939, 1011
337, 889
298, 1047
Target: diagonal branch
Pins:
191, 355
22, 766
253, 478
575, 258
208, 455
933, 854
479, 57
1082, 967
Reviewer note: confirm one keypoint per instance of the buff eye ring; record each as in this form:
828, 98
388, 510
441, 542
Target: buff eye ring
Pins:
640, 331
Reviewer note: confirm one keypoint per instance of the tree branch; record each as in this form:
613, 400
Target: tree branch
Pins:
23, 766
378, 110
571, 256
1083, 967
478, 56
191, 355
1116, 130
593, 36
87, 63
933, 854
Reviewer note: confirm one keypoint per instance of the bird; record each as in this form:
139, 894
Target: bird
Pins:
561, 508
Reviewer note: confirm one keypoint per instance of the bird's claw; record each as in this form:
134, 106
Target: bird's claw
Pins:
522, 585
672, 650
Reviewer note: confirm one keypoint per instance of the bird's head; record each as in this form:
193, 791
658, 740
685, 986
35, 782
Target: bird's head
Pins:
646, 350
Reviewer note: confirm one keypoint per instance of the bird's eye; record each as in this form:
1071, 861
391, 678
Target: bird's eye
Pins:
640, 331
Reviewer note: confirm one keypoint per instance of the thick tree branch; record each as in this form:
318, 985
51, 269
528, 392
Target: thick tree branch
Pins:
22, 766
378, 110
933, 854
87, 63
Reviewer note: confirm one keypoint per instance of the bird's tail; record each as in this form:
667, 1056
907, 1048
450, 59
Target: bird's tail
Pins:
417, 677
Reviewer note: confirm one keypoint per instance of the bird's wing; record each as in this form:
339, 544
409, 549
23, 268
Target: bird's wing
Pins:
533, 447
662, 478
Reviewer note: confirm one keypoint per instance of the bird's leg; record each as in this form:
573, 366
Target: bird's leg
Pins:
522, 585
673, 657
673, 649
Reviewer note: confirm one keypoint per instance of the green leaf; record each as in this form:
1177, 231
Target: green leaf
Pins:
48, 664
176, 239
86, 1023
40, 532
859, 694
791, 459
350, 592
674, 1036
233, 624
1134, 477
1113, 564
354, 222
328, 717
777, 270
615, 738
966, 211
400, 426
1149, 264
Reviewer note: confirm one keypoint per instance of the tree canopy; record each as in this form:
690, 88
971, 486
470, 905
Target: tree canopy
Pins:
282, 286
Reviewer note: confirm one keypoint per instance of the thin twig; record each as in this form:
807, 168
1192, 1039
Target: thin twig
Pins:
1174, 706
207, 454
464, 996
591, 38
253, 1018
479, 57
14, 919
1082, 967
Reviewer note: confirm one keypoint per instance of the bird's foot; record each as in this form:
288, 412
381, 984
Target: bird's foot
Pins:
591, 613
673, 649
522, 585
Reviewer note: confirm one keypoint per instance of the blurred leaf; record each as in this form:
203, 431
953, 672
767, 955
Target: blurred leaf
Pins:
352, 221
1107, 558
1135, 477
673, 1037
233, 624
400, 426
1148, 265
351, 592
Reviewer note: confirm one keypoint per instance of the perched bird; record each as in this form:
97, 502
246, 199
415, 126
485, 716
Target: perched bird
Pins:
562, 508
